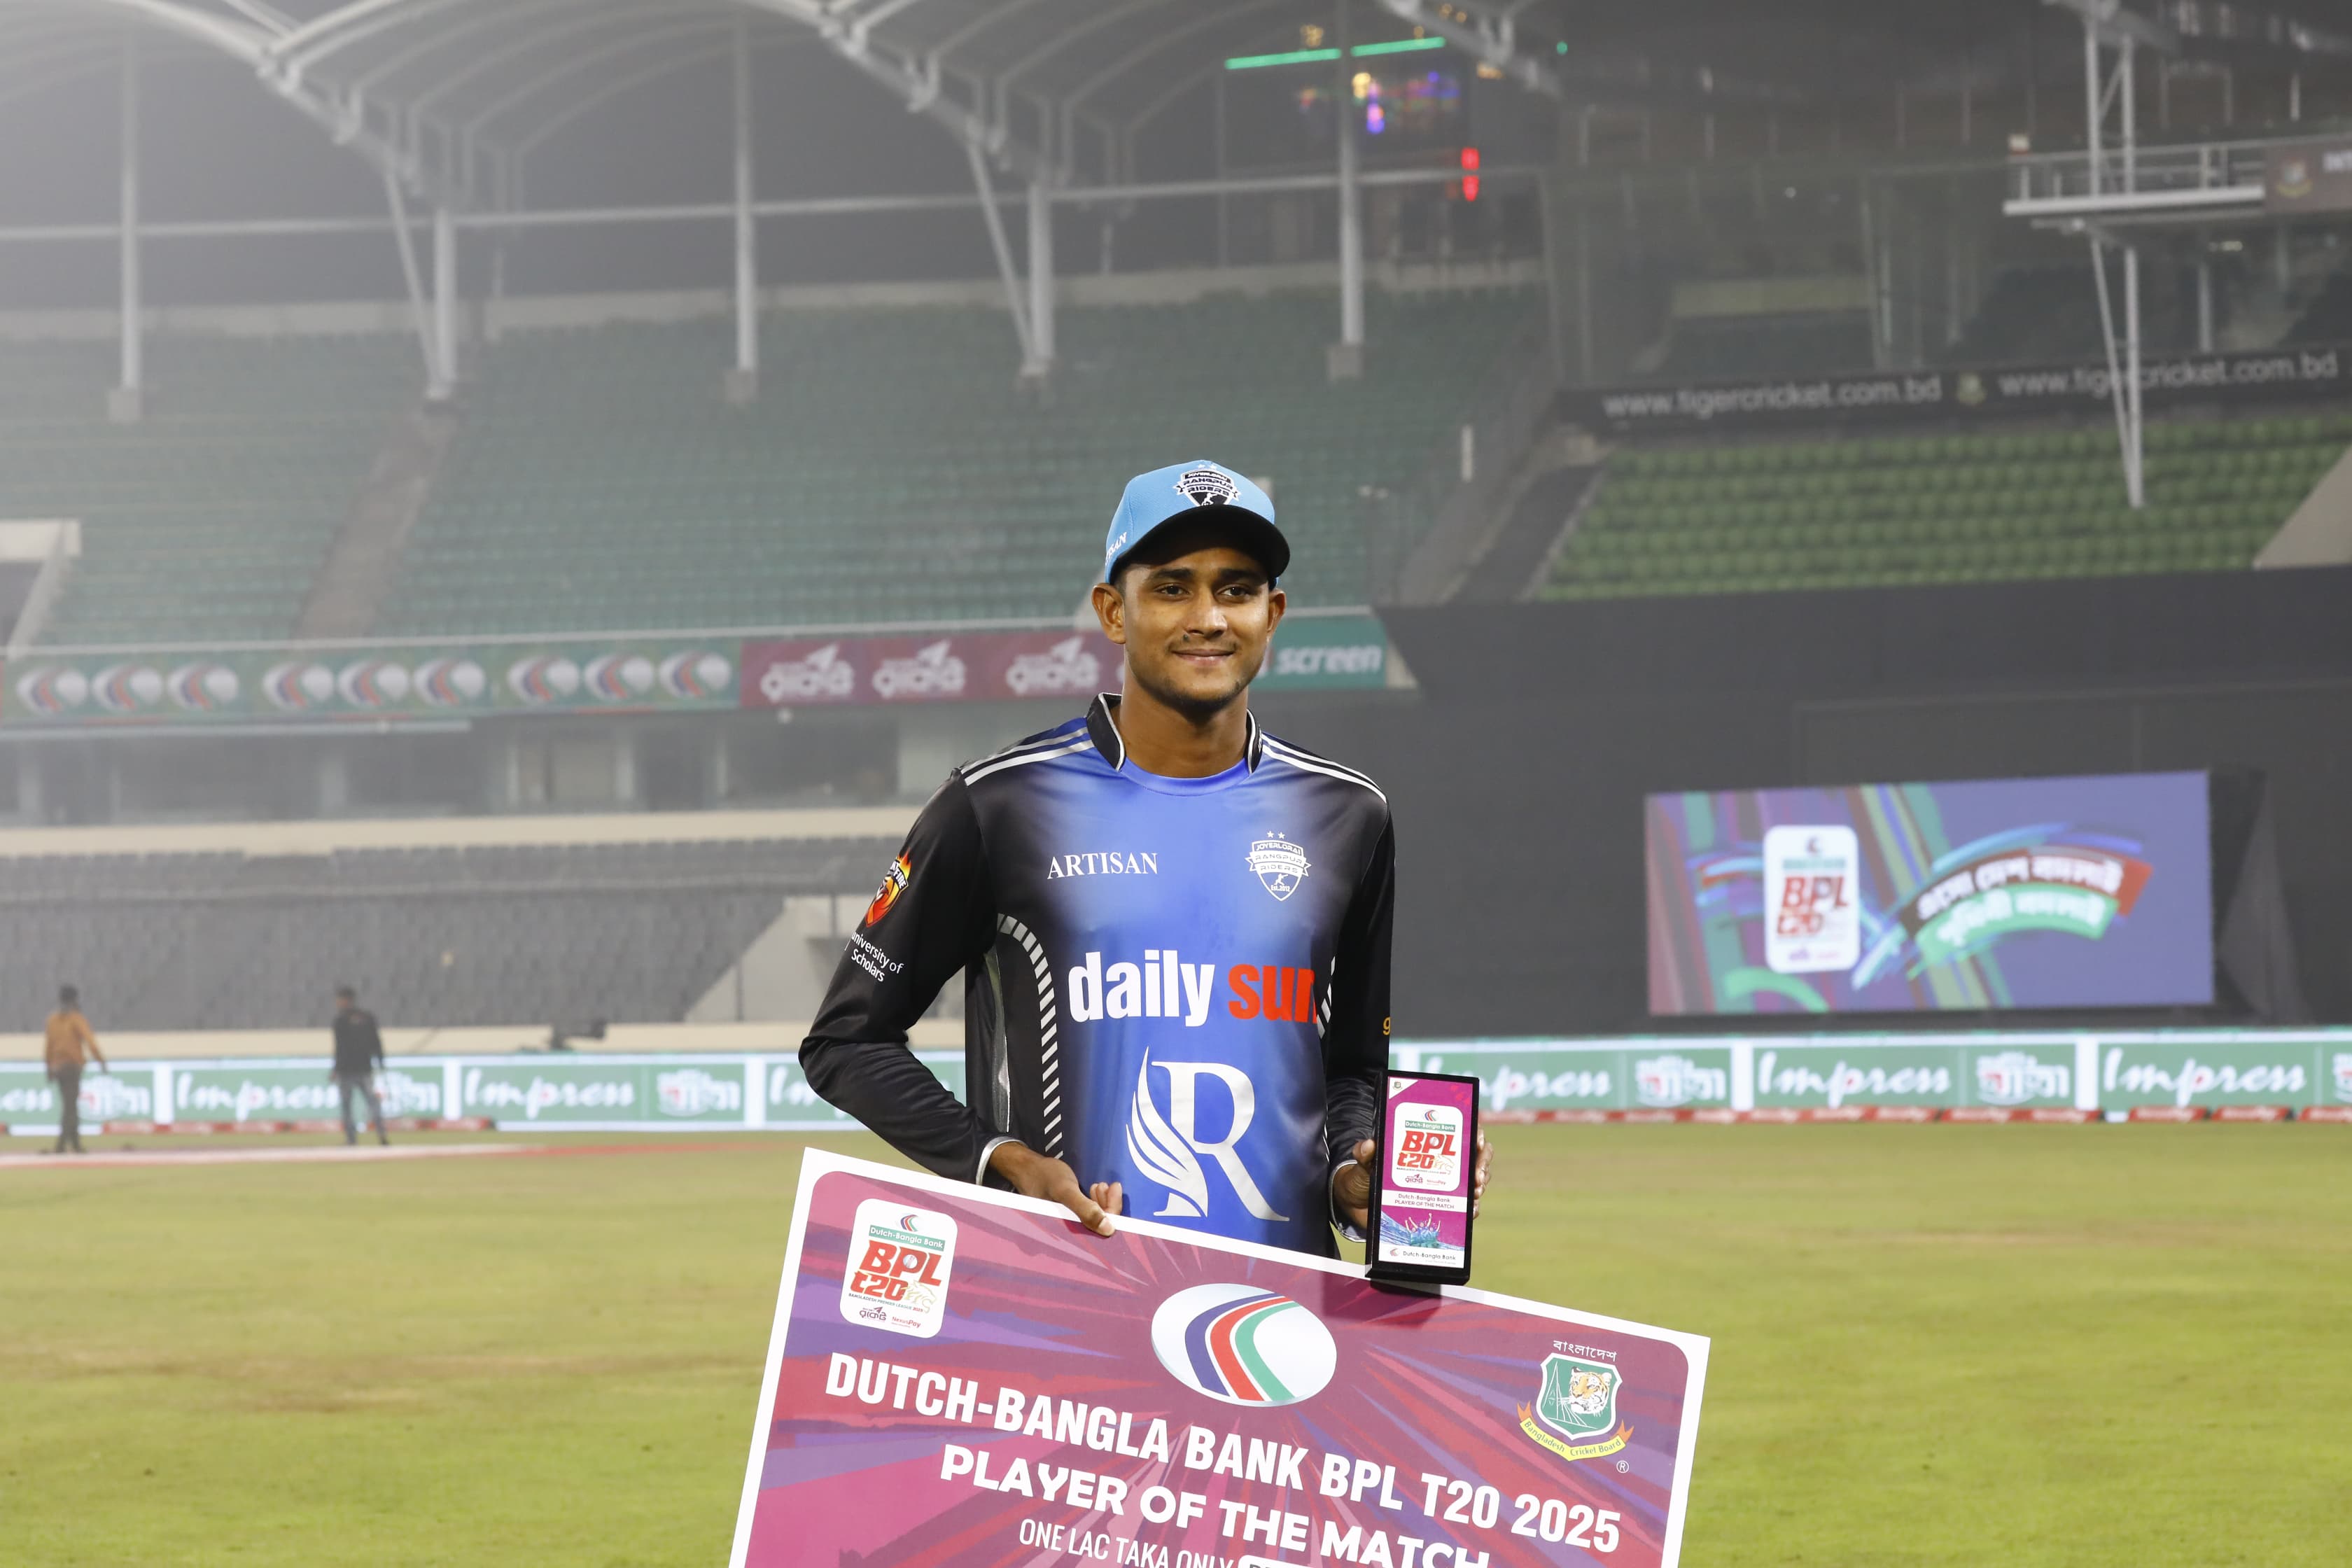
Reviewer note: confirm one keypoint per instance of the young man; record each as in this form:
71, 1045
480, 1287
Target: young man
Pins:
67, 1043
1173, 928
359, 1052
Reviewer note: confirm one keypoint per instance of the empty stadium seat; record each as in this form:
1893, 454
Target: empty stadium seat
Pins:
889, 472
490, 935
1889, 511
209, 520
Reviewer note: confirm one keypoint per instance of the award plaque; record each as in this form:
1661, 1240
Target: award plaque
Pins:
1420, 1194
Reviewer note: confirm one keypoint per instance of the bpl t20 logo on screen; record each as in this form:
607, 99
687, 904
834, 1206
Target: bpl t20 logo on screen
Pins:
1812, 905
897, 1276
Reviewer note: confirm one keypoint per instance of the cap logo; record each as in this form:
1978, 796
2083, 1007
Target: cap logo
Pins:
1208, 486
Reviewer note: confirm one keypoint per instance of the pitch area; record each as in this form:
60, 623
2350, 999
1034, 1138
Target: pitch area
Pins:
1940, 1345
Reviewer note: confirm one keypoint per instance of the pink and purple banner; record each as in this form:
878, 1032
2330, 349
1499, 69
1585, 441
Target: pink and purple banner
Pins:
962, 1377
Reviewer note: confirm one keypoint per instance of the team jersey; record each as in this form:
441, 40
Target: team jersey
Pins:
1178, 984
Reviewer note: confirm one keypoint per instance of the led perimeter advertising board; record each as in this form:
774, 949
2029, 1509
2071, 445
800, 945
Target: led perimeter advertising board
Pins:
1956, 896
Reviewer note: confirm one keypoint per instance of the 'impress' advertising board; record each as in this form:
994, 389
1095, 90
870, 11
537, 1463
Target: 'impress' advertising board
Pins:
1973, 897
959, 1377
1966, 1076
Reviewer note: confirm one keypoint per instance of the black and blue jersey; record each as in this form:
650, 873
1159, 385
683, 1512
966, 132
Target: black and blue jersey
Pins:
1178, 984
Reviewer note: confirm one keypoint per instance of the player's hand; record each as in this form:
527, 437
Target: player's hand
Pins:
1352, 1185
1035, 1175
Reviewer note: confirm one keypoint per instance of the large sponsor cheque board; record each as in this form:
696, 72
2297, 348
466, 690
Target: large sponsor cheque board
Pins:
959, 1377
1962, 896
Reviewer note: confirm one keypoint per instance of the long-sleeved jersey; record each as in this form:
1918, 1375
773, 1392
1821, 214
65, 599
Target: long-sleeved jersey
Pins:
1178, 984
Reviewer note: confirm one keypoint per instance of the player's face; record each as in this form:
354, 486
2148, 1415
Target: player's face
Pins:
1195, 628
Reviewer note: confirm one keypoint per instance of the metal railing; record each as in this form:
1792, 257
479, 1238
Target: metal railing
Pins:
2197, 174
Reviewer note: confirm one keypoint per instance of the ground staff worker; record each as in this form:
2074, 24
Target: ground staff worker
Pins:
1173, 928
67, 1043
359, 1052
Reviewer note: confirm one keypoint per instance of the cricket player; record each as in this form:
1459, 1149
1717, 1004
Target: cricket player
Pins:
1173, 928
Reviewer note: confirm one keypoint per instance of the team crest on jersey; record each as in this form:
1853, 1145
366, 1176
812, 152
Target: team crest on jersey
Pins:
1279, 864
894, 883
1206, 485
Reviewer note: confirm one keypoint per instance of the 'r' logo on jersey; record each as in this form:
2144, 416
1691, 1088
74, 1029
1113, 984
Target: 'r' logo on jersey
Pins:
1169, 1149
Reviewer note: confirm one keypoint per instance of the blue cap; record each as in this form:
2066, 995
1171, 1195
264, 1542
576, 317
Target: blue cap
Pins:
1189, 491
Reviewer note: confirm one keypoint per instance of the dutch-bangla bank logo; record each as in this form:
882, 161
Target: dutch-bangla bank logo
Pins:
1242, 1344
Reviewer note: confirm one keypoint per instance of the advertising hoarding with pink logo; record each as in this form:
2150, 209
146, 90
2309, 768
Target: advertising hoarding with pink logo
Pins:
961, 1376
1069, 664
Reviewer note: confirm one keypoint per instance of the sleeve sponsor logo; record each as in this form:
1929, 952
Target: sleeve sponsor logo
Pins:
894, 886
901, 1261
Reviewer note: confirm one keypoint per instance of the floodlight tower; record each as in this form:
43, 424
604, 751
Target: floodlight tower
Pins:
2111, 192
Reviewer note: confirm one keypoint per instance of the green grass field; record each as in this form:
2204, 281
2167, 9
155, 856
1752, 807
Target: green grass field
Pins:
1964, 1345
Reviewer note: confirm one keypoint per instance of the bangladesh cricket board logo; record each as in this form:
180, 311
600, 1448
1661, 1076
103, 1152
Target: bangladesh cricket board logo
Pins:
1577, 1409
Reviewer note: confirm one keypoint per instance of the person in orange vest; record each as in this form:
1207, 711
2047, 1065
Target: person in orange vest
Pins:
68, 1043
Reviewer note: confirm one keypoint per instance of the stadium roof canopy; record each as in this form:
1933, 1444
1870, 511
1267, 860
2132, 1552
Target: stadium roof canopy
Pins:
451, 95
442, 92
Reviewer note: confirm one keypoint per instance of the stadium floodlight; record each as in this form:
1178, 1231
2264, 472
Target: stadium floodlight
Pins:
1325, 55
1492, 40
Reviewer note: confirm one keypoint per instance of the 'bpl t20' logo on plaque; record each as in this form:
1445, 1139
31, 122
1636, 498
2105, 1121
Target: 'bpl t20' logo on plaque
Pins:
1429, 1148
1813, 893
899, 1260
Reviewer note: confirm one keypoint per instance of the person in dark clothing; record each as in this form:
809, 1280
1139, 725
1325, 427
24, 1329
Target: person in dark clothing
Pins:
68, 1047
359, 1052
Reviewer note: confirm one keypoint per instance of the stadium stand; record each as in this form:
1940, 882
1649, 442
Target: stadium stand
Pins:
209, 520
1939, 508
456, 935
1743, 348
2328, 318
2034, 315
889, 472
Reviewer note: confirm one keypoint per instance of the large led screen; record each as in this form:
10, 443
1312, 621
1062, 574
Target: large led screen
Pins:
1969, 897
